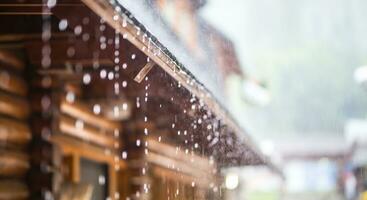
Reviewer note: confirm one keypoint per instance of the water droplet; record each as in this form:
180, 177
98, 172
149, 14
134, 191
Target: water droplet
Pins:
103, 74
70, 51
138, 142
85, 37
124, 106
78, 30
124, 66
133, 56
63, 24
79, 124
116, 111
110, 75
85, 20
145, 131
101, 179
102, 27
124, 22
70, 97
46, 61
115, 17
45, 102
124, 84
124, 155
96, 109
51, 3
86, 79
137, 102
103, 46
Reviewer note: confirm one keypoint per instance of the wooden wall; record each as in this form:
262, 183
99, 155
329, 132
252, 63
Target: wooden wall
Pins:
15, 133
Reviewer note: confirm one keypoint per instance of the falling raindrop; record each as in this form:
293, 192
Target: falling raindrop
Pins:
124, 106
79, 124
124, 66
124, 84
96, 109
85, 37
63, 24
124, 155
115, 17
101, 179
86, 79
110, 75
78, 30
70, 97
51, 3
103, 74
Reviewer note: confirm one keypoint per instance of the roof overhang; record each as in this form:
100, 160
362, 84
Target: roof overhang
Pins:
121, 19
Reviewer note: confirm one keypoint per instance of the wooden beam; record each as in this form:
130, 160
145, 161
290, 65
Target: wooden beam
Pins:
179, 166
75, 168
14, 106
71, 146
12, 83
171, 152
112, 181
183, 178
81, 111
144, 72
13, 164
13, 189
14, 132
10, 59
87, 133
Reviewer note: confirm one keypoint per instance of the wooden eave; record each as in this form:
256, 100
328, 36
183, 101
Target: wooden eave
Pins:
138, 36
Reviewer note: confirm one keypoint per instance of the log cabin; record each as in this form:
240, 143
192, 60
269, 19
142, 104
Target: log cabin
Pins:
94, 106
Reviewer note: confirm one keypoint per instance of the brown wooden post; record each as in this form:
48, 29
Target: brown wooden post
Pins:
45, 177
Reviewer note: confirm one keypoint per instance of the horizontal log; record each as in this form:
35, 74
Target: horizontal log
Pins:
68, 126
12, 131
81, 111
13, 106
182, 167
13, 190
171, 152
12, 83
183, 178
13, 164
10, 59
71, 146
